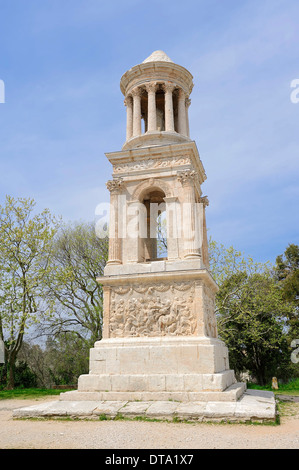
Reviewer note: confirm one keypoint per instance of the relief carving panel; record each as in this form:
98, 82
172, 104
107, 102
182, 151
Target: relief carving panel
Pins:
152, 310
209, 313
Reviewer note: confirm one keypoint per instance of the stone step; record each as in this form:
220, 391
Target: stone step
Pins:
252, 406
156, 382
232, 393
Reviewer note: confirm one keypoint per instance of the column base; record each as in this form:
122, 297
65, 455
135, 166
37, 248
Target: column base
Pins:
153, 138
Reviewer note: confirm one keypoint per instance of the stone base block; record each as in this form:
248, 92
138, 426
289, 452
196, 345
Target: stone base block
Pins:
253, 405
159, 368
159, 355
156, 382
232, 393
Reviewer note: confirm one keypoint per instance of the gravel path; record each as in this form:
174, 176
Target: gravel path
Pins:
51, 434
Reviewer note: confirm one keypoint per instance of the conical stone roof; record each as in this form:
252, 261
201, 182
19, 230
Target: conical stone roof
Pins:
158, 56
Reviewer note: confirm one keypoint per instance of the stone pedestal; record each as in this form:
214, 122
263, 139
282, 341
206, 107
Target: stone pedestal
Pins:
157, 369
160, 337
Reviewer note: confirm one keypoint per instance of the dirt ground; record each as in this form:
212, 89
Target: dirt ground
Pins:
59, 434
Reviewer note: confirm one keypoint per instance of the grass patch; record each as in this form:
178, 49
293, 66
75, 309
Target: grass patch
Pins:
28, 393
103, 417
289, 388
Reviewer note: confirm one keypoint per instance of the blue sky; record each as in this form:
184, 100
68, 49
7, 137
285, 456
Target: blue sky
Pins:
61, 62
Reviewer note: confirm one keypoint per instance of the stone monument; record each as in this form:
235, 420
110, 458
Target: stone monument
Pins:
160, 356
159, 326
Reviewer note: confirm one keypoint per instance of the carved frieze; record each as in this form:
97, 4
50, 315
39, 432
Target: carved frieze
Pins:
151, 164
209, 313
152, 310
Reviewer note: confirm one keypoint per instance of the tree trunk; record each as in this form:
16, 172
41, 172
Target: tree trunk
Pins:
11, 374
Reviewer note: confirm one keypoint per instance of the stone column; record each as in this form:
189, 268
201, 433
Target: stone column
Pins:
115, 256
204, 251
169, 118
151, 110
189, 219
182, 121
129, 104
136, 93
172, 206
136, 232
188, 102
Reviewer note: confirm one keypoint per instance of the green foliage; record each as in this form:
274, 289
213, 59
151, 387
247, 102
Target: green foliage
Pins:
67, 357
74, 297
25, 250
224, 262
287, 273
253, 316
291, 387
61, 362
251, 321
24, 377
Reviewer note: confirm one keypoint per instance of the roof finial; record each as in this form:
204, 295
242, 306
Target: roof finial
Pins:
158, 56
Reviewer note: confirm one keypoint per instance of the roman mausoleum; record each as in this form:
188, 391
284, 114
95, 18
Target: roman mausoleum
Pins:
159, 327
160, 355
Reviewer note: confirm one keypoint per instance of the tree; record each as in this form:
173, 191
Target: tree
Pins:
241, 299
75, 298
36, 358
287, 271
287, 274
63, 366
251, 321
225, 262
25, 252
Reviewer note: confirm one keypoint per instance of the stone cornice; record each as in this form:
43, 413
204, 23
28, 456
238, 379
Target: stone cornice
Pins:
156, 71
197, 275
163, 157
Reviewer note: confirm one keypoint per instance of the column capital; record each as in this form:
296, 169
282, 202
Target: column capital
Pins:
136, 91
114, 186
151, 87
128, 101
188, 102
186, 177
204, 200
168, 87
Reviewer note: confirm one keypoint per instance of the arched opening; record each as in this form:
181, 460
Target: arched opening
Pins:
154, 245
